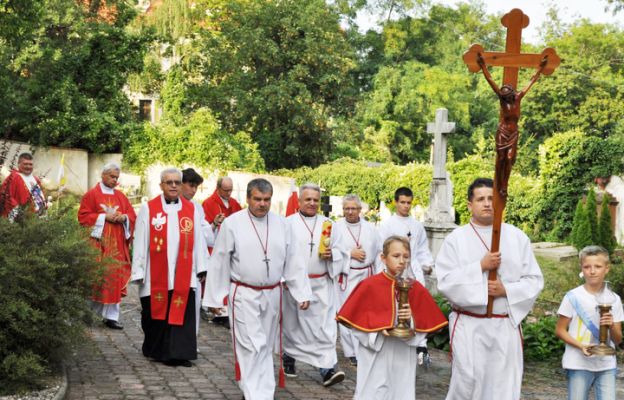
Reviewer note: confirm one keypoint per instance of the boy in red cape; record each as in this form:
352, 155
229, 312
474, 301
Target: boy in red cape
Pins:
386, 364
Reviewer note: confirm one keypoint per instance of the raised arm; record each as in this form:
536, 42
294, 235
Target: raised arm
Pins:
486, 73
535, 77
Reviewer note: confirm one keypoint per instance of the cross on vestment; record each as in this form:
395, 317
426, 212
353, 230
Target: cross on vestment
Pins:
266, 261
311, 245
178, 302
159, 297
477, 59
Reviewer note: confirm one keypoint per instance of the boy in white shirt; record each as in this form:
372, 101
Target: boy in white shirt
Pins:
578, 327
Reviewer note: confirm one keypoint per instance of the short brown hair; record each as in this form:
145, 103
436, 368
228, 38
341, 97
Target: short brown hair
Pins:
395, 238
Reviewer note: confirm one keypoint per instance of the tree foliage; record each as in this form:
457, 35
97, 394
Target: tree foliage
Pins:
568, 161
62, 76
581, 235
279, 70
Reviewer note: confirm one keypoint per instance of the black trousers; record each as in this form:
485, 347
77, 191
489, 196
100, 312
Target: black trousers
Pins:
164, 342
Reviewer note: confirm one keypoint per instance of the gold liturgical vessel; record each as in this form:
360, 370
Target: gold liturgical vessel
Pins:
402, 328
605, 298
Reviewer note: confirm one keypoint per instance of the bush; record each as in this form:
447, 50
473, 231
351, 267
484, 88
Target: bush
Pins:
540, 342
46, 275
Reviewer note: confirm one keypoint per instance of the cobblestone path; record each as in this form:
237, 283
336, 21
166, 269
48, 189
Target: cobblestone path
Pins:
111, 366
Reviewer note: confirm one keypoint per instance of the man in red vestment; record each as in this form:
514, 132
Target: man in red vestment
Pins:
111, 218
22, 189
217, 208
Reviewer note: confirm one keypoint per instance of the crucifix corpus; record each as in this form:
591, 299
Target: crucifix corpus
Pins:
477, 59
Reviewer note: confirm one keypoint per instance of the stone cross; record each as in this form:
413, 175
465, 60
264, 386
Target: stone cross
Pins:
440, 209
439, 129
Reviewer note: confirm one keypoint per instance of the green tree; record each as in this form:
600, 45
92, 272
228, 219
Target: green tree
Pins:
592, 214
63, 78
581, 230
605, 233
279, 70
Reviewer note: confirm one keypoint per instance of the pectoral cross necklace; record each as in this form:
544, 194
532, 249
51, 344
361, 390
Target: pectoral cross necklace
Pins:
265, 245
311, 244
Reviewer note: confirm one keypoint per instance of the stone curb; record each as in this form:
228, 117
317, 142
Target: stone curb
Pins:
60, 395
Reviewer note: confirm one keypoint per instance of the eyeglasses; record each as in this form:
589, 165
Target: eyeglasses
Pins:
172, 183
349, 209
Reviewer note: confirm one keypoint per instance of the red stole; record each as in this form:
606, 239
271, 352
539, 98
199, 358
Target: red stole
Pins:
159, 270
371, 307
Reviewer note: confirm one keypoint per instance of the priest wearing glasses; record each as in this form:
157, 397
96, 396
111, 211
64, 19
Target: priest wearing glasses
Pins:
169, 255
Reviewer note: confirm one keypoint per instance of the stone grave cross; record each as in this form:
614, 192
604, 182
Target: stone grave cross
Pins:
439, 129
441, 195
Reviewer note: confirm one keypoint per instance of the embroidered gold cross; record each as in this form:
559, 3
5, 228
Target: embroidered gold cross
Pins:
159, 297
178, 302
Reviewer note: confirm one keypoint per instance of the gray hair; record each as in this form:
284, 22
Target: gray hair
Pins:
261, 185
352, 197
223, 178
593, 250
111, 166
168, 171
310, 186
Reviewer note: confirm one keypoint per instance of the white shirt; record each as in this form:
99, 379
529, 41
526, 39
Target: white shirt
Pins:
573, 358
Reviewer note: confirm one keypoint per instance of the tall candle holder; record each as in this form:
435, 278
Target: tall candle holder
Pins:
605, 299
403, 328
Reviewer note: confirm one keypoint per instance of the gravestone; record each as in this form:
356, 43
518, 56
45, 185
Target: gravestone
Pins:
440, 216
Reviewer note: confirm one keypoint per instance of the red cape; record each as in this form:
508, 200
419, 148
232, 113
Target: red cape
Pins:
14, 193
113, 243
213, 205
371, 307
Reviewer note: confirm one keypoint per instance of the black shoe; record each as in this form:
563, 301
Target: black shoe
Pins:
353, 361
332, 377
290, 371
178, 363
223, 321
113, 324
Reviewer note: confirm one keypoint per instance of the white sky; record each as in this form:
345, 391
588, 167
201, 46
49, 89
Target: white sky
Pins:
569, 10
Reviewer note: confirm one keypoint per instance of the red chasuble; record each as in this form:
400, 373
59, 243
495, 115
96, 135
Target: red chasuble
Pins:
112, 244
371, 307
159, 265
15, 192
213, 205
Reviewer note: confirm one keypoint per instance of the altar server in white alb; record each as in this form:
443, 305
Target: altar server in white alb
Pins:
251, 256
169, 253
487, 351
310, 336
359, 240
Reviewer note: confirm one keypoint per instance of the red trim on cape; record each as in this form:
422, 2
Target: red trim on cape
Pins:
371, 307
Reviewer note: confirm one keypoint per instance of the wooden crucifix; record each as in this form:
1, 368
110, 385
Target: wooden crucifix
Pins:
477, 59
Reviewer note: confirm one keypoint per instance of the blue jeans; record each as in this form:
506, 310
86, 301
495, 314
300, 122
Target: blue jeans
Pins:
580, 382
